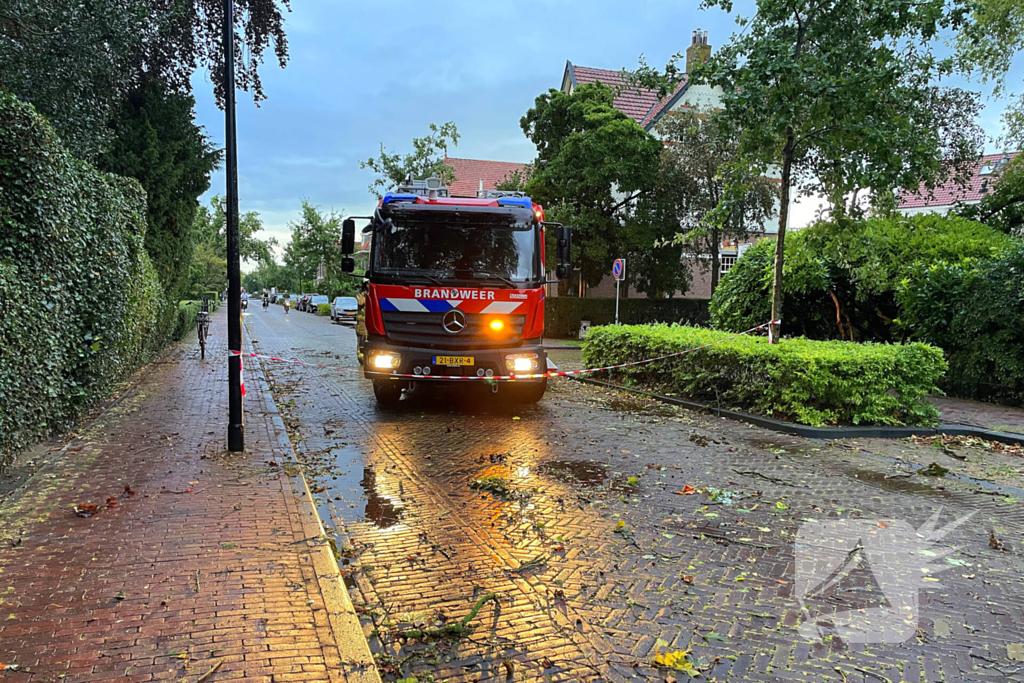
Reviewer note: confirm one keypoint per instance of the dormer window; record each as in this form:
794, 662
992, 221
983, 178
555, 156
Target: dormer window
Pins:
993, 167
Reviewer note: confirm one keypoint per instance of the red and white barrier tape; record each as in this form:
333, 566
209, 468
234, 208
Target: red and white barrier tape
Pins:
507, 378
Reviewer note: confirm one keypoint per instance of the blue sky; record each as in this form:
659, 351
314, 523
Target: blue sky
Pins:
365, 73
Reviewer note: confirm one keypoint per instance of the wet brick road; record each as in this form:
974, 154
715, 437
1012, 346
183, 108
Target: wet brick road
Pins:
599, 557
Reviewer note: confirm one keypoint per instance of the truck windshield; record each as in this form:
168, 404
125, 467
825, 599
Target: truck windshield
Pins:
438, 247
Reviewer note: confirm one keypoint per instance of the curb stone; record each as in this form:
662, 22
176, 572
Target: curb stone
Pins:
825, 433
356, 657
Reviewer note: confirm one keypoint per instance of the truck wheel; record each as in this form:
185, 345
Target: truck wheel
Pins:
530, 392
387, 392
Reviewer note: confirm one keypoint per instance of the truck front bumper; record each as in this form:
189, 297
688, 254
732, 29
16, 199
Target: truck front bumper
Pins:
432, 364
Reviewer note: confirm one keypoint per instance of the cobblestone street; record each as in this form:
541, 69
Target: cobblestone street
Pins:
611, 529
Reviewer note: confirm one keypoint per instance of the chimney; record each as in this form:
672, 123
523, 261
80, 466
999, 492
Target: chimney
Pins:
699, 50
480, 189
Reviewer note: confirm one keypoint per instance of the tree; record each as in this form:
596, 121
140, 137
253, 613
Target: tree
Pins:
593, 165
156, 142
76, 61
838, 95
210, 230
698, 152
208, 271
987, 45
425, 161
315, 242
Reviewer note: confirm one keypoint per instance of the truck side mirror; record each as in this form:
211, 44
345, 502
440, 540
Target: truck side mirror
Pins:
348, 237
348, 264
563, 239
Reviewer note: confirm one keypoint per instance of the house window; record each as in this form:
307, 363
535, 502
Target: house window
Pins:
725, 264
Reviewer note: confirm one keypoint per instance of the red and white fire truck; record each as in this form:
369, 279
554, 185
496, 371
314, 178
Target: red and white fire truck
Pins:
454, 288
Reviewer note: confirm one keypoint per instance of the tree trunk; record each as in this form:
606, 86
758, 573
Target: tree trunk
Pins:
780, 241
715, 260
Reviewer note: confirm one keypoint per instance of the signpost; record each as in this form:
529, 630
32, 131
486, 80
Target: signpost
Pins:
619, 273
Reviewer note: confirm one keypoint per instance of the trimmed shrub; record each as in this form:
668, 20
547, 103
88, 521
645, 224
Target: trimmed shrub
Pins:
82, 306
323, 309
562, 314
812, 382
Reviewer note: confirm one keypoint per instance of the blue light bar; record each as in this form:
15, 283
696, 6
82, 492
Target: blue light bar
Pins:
398, 197
516, 201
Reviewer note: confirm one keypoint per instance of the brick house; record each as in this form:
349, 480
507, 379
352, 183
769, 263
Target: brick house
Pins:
645, 107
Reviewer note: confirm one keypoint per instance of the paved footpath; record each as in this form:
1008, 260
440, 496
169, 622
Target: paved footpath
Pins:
195, 560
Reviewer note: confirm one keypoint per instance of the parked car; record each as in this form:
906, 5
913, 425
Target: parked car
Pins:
344, 309
316, 300
303, 300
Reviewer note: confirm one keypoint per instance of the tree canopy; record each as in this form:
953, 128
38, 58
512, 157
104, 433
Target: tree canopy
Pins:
76, 61
692, 184
839, 95
593, 166
425, 161
987, 45
210, 230
156, 141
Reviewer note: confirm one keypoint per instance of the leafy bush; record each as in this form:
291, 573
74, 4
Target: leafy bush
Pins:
323, 309
82, 306
894, 280
974, 310
840, 280
813, 382
562, 314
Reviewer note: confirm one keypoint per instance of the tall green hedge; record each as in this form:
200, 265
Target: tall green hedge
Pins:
813, 382
82, 306
562, 314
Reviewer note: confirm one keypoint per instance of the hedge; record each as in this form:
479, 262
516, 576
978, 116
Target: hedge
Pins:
562, 314
812, 382
82, 306
323, 309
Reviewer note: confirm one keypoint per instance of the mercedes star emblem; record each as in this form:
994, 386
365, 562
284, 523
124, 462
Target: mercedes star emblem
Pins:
454, 321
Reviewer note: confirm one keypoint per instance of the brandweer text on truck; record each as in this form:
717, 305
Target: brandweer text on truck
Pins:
454, 287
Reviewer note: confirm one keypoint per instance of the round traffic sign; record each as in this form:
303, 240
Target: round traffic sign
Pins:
618, 268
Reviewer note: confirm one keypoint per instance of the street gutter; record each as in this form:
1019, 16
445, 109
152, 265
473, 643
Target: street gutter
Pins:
356, 658
825, 433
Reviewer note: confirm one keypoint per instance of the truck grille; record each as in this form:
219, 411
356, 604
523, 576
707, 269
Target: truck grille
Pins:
424, 329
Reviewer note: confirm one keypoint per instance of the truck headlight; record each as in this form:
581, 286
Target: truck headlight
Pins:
522, 362
385, 360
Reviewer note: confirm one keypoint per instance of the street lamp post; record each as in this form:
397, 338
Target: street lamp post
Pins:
236, 428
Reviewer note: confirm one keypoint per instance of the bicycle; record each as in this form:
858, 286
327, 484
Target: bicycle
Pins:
203, 327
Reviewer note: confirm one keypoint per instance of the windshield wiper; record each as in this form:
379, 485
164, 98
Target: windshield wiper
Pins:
415, 273
492, 276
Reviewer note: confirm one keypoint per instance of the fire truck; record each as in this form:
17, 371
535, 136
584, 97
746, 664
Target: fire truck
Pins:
454, 288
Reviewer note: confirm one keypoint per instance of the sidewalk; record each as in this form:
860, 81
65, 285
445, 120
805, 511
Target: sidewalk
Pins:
197, 562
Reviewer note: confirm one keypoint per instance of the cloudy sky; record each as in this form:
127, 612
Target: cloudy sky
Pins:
363, 73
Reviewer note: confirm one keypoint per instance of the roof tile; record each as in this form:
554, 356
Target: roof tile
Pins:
950, 192
640, 104
469, 173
